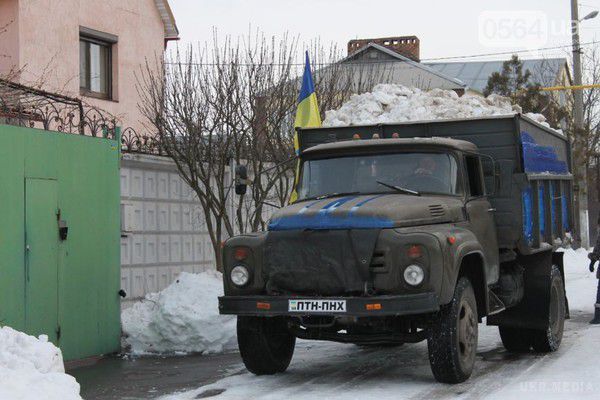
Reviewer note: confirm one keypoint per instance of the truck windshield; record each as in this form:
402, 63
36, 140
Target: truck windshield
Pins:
434, 173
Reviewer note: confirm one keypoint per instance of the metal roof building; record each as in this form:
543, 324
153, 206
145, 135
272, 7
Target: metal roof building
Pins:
475, 74
388, 66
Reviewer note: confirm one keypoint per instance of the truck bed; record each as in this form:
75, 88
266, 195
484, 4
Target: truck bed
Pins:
533, 194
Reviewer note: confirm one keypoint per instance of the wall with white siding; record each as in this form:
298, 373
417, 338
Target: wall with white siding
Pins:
163, 230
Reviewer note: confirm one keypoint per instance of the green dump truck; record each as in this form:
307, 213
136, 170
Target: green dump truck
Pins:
410, 232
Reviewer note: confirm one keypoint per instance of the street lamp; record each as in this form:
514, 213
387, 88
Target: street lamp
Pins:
591, 15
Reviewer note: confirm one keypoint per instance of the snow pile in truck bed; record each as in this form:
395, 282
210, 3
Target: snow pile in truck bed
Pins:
184, 317
32, 369
390, 103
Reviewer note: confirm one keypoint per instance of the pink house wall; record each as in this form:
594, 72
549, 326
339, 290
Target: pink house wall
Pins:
43, 43
9, 35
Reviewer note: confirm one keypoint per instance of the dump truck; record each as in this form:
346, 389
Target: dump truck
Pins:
409, 232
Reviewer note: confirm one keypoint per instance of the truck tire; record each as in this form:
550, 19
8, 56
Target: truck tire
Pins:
548, 340
266, 345
452, 340
516, 340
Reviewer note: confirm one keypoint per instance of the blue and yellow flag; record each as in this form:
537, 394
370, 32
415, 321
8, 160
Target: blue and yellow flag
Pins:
307, 114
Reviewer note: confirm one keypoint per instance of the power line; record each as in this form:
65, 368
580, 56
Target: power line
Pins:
204, 64
508, 52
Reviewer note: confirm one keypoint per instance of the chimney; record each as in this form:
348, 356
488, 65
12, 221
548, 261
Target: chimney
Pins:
408, 46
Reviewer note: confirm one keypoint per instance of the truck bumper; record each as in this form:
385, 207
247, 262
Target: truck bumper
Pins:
422, 303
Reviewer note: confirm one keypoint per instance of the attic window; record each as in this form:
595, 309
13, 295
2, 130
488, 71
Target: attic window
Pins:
387, 43
395, 42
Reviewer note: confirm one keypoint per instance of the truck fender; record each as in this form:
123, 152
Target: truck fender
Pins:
472, 265
468, 260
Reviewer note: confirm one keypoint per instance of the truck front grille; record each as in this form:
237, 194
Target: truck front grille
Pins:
378, 261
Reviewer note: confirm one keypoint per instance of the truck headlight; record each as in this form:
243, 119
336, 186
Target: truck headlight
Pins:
239, 275
414, 275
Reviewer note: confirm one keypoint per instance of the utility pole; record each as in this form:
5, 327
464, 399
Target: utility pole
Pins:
579, 142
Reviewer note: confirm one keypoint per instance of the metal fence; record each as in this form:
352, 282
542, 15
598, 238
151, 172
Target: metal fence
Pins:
30, 107
134, 142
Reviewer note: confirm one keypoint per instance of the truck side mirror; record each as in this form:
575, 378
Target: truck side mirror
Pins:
241, 179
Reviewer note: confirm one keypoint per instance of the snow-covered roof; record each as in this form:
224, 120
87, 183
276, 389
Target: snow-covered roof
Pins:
475, 74
394, 56
168, 19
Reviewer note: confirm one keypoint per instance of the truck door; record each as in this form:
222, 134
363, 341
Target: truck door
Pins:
481, 215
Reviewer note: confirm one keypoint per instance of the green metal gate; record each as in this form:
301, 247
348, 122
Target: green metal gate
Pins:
65, 286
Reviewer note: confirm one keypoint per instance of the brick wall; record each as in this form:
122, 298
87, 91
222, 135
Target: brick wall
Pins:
408, 46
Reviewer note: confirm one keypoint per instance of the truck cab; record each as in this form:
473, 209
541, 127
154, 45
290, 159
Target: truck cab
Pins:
389, 241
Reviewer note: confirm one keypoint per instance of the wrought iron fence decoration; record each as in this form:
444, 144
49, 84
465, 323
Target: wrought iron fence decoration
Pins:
134, 142
35, 108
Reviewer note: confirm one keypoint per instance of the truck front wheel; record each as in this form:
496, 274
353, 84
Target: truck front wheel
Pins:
266, 345
453, 335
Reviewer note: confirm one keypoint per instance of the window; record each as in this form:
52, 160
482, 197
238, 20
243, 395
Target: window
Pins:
95, 63
474, 174
422, 172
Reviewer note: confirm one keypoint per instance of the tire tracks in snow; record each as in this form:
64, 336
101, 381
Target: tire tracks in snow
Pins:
497, 368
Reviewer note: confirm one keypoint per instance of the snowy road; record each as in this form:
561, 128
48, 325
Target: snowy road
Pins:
322, 370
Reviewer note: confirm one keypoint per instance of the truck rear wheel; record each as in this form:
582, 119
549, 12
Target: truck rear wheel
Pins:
516, 340
266, 345
521, 340
452, 341
548, 340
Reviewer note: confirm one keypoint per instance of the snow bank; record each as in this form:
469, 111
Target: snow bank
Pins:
580, 282
184, 317
32, 369
389, 103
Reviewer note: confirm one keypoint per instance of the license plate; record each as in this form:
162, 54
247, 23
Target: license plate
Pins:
317, 306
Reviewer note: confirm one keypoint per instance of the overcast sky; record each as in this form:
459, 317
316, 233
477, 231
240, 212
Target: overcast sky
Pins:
445, 28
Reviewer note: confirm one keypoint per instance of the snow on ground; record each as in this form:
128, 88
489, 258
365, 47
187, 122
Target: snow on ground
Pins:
390, 103
183, 318
322, 370
32, 369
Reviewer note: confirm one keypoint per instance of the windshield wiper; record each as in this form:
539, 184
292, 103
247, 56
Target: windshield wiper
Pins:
328, 195
399, 189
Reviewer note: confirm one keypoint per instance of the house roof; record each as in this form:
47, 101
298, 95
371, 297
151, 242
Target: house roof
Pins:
168, 19
423, 67
475, 74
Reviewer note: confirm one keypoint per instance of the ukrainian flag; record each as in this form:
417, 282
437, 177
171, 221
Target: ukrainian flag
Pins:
307, 114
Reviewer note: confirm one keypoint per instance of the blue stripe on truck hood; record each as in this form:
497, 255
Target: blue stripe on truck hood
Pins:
325, 219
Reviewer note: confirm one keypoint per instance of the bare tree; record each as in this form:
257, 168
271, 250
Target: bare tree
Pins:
591, 101
218, 106
230, 103
586, 144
